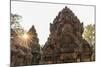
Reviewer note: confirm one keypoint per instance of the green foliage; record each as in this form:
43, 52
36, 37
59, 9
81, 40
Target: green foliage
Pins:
89, 34
15, 23
15, 18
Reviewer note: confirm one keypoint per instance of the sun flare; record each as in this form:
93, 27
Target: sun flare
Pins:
25, 39
25, 36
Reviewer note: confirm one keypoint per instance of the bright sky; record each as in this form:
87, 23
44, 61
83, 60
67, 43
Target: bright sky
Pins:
42, 14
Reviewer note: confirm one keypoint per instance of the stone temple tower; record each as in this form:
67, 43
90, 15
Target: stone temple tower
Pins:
65, 43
